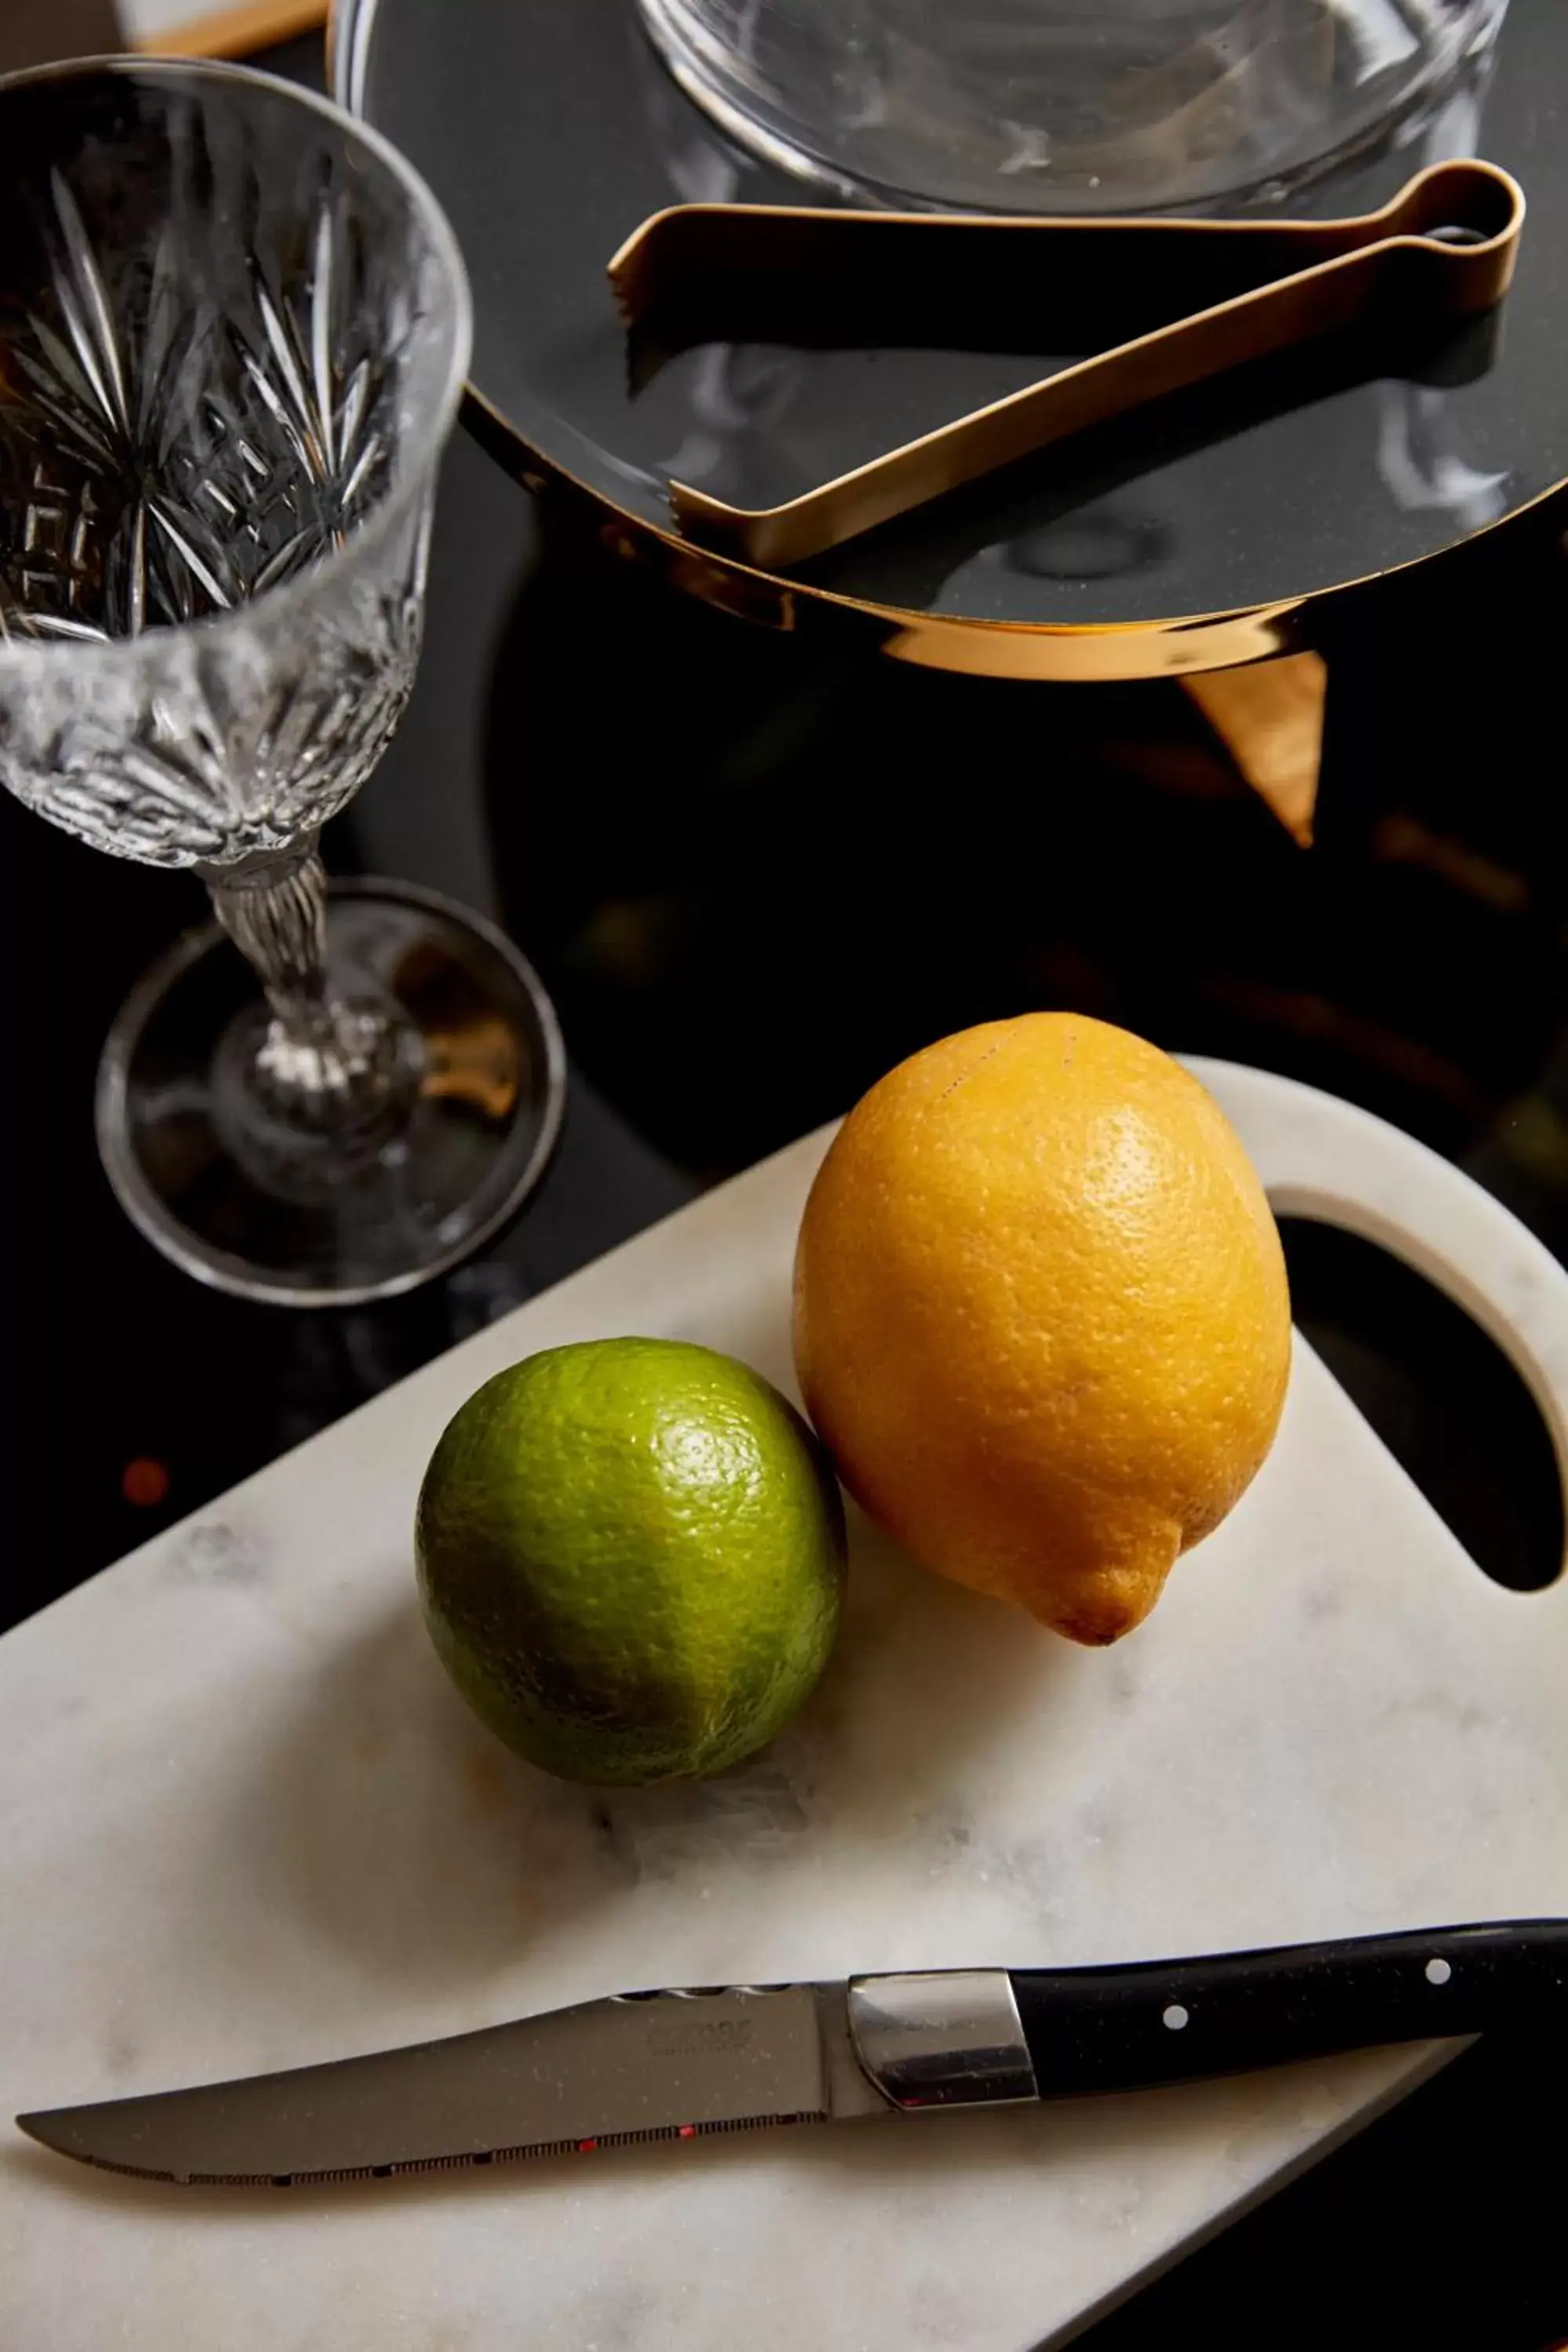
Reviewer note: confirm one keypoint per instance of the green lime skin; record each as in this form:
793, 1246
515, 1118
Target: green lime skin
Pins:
631, 1558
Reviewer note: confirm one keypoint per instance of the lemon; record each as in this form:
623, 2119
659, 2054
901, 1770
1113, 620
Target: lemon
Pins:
1041, 1315
631, 1558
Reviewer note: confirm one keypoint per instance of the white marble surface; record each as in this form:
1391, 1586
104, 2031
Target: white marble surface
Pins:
244, 1822
144, 20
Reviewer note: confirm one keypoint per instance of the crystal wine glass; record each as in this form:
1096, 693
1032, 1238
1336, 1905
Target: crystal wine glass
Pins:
234, 327
1065, 105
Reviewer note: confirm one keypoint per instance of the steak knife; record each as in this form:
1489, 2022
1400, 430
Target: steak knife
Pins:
680, 2065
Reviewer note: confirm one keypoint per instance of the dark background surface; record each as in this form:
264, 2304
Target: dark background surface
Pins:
753, 877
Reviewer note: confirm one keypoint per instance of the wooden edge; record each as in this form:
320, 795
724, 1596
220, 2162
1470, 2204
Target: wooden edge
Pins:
233, 32
1269, 717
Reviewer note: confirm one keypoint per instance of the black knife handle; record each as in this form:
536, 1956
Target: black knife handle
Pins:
1131, 2028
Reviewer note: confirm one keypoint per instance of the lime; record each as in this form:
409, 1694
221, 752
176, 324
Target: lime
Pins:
631, 1556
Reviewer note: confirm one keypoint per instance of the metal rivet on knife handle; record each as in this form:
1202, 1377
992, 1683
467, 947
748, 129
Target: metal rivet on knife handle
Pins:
1181, 302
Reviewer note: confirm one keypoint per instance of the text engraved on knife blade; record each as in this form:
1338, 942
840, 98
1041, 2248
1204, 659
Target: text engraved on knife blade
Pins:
720, 2038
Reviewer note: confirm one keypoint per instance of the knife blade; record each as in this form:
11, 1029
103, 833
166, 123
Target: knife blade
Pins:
682, 2063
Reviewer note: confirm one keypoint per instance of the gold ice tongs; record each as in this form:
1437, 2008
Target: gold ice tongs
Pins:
1175, 302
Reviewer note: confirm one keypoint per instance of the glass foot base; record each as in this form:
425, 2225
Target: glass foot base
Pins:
343, 1220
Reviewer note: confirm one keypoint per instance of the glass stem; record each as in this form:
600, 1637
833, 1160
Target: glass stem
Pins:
324, 1063
275, 911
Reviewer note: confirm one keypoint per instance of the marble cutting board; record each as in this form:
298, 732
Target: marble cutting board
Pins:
245, 1823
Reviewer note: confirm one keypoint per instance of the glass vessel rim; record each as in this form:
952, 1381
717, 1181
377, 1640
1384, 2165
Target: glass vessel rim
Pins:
416, 463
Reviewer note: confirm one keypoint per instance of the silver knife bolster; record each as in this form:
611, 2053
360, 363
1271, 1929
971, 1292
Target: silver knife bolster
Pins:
950, 2038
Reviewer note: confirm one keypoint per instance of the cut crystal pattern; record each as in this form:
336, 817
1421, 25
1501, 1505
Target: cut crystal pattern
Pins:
214, 332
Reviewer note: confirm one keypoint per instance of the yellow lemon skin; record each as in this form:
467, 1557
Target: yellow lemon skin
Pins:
1041, 1315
